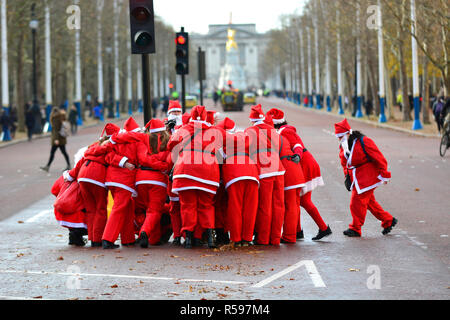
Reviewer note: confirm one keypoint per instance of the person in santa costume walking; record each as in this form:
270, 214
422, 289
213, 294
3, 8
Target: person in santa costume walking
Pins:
120, 180
311, 173
365, 168
174, 115
152, 180
240, 176
266, 150
196, 174
90, 172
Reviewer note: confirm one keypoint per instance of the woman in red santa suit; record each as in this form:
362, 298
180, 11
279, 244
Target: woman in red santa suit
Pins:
90, 172
120, 179
152, 180
266, 150
365, 168
311, 173
241, 180
196, 173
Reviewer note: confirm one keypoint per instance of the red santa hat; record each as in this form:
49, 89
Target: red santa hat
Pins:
109, 130
198, 114
227, 124
174, 105
269, 120
185, 118
131, 125
277, 116
211, 116
155, 125
256, 113
342, 128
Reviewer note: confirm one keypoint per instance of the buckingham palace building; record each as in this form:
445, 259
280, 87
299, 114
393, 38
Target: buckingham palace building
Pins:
250, 45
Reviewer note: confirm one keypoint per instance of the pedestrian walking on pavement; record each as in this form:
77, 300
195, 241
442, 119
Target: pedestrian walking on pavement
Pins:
29, 120
58, 138
365, 168
73, 119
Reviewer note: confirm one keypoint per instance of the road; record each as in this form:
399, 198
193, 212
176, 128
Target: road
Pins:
410, 263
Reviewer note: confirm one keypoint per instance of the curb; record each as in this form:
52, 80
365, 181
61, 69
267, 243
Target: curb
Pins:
48, 134
369, 122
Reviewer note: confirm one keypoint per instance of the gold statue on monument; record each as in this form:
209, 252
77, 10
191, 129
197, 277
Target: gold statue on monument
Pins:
231, 43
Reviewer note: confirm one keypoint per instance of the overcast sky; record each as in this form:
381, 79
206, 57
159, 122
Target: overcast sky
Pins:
196, 15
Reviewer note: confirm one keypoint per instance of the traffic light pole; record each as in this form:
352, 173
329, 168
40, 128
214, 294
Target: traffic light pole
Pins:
183, 93
146, 89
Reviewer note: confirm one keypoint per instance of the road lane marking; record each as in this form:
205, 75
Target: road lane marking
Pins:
310, 268
38, 216
124, 276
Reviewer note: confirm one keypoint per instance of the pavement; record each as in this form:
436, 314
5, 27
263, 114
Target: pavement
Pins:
411, 263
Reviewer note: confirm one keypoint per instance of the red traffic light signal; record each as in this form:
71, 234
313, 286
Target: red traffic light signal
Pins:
180, 40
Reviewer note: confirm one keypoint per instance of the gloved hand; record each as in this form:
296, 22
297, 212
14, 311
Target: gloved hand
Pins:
295, 158
171, 124
348, 182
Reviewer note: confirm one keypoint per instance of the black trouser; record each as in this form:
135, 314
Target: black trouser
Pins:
63, 151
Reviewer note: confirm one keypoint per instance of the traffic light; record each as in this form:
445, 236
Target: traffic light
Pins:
142, 26
182, 52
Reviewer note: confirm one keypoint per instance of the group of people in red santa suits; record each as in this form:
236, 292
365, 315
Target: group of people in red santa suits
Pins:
199, 179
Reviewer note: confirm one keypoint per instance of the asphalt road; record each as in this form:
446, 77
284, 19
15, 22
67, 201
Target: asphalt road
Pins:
410, 263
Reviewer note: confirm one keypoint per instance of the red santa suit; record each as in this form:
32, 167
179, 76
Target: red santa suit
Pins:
266, 149
367, 171
90, 172
196, 173
309, 165
241, 181
121, 182
151, 182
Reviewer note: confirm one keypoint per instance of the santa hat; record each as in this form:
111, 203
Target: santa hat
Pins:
342, 128
269, 120
109, 130
155, 125
174, 105
227, 124
185, 118
131, 125
277, 116
198, 114
211, 116
256, 113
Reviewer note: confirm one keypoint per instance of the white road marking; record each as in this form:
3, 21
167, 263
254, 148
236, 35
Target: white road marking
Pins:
38, 216
124, 276
310, 268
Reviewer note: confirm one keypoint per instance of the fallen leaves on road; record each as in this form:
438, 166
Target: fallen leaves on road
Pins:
114, 286
60, 258
353, 270
417, 189
20, 221
37, 297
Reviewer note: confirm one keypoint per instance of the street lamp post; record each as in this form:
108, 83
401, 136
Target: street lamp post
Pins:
111, 98
34, 24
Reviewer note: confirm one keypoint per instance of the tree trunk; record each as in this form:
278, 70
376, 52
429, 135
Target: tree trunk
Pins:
426, 92
404, 84
20, 90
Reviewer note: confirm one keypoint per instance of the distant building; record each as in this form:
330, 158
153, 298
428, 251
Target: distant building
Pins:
251, 46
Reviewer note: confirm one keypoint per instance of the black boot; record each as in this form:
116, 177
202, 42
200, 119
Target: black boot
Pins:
143, 240
109, 245
95, 244
76, 237
389, 229
176, 241
300, 235
351, 233
211, 238
322, 234
189, 239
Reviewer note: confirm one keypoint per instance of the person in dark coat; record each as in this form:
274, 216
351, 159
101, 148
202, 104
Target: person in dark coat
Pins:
58, 138
29, 121
73, 119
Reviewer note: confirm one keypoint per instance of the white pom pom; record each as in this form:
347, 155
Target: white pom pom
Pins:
198, 118
261, 116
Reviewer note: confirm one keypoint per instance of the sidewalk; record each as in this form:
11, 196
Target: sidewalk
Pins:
87, 123
395, 123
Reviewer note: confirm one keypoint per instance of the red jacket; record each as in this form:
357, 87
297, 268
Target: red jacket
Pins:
122, 149
195, 147
238, 164
366, 174
266, 149
293, 178
92, 167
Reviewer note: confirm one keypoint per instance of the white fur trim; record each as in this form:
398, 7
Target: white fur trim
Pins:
187, 176
297, 145
311, 185
294, 187
154, 182
174, 109
200, 121
358, 189
67, 176
174, 199
72, 224
272, 174
120, 185
192, 188
111, 140
157, 130
239, 179
98, 183
383, 179
261, 120
122, 162
278, 121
